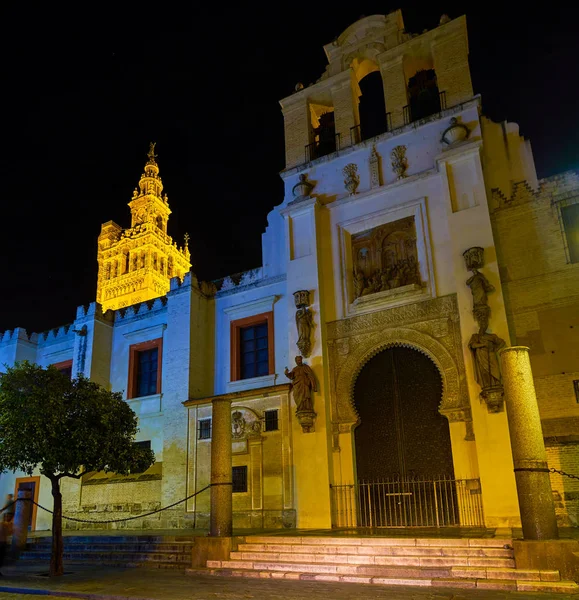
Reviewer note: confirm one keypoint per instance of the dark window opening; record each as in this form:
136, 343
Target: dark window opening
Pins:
239, 479
147, 366
372, 107
146, 445
324, 137
570, 217
204, 431
254, 352
424, 97
271, 420
67, 371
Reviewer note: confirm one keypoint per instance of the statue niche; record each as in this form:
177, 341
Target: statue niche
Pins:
385, 258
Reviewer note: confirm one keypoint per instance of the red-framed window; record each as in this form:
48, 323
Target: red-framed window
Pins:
145, 361
252, 345
65, 367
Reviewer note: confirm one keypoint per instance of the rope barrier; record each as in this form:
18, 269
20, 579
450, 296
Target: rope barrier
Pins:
115, 520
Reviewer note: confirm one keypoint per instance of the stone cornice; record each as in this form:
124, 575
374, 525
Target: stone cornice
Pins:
272, 390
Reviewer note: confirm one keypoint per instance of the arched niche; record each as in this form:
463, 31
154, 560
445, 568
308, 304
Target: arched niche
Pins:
452, 404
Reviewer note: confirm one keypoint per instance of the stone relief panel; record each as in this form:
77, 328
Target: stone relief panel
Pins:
385, 257
431, 327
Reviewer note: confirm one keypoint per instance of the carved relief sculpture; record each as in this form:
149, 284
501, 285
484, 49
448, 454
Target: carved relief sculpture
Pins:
352, 179
484, 346
303, 387
375, 179
385, 258
399, 161
304, 322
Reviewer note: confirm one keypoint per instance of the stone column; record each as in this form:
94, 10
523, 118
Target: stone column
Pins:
221, 521
22, 513
529, 455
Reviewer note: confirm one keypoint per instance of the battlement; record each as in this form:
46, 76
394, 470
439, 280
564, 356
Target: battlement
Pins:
555, 188
139, 310
238, 280
17, 334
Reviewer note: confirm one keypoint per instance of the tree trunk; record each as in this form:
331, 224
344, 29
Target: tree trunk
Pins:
56, 565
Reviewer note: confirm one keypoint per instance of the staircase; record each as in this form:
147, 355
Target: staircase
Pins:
448, 563
152, 551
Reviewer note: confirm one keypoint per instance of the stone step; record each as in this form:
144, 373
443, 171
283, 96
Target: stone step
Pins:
184, 547
379, 550
117, 539
378, 541
502, 573
401, 580
115, 556
358, 559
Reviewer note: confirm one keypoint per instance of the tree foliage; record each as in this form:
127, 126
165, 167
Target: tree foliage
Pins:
65, 428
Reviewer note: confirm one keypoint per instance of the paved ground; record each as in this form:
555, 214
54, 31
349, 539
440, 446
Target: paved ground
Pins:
95, 583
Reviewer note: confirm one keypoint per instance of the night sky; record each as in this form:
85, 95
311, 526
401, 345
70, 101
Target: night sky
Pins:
83, 94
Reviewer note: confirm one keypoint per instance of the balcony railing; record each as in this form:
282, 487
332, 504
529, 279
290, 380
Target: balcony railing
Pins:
356, 135
321, 148
412, 115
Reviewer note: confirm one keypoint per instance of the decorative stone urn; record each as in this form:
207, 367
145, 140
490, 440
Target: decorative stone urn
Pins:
352, 179
456, 132
303, 187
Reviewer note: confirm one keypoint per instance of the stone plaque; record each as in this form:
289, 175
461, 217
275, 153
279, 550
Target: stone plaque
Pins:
385, 258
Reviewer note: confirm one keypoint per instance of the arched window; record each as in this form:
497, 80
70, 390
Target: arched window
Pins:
424, 97
372, 107
160, 222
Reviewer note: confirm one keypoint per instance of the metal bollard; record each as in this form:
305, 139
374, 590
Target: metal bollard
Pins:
21, 521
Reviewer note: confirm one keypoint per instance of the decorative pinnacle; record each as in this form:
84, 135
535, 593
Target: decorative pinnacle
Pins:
186, 238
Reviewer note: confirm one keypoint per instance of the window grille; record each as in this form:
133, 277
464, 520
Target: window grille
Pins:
239, 479
271, 420
204, 429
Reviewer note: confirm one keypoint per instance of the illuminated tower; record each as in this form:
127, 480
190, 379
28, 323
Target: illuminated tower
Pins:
136, 264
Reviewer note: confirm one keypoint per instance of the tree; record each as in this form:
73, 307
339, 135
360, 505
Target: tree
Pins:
64, 428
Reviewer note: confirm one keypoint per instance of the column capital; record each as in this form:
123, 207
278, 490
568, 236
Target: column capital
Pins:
516, 349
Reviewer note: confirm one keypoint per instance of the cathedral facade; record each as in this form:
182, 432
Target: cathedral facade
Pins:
413, 243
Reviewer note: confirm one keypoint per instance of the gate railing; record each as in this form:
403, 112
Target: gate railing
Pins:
411, 502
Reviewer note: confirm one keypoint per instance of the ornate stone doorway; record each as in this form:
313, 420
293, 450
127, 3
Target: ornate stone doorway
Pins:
403, 449
401, 433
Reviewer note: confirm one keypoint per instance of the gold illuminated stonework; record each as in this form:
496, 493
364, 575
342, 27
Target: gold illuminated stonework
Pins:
136, 264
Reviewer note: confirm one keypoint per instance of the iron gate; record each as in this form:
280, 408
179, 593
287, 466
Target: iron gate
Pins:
441, 502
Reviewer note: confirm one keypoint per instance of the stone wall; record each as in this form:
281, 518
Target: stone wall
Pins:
542, 299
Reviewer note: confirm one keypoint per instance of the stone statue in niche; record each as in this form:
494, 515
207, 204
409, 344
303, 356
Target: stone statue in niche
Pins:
304, 322
484, 346
385, 258
303, 387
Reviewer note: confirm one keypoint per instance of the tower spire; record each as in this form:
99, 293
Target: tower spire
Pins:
136, 264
